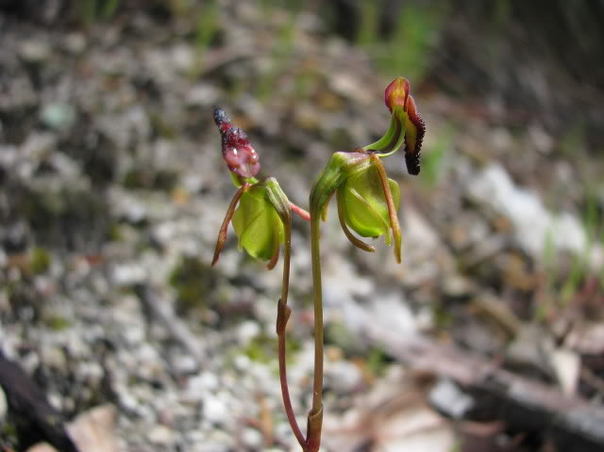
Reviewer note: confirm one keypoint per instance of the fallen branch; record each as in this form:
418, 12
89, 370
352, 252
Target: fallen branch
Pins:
34, 418
572, 423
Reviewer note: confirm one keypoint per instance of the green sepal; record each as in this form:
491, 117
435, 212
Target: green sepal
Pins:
278, 199
238, 181
257, 223
364, 203
334, 174
394, 136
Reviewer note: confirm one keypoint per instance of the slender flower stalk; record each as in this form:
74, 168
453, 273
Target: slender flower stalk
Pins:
283, 314
315, 416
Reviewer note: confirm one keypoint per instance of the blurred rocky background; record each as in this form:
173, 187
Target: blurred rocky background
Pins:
115, 332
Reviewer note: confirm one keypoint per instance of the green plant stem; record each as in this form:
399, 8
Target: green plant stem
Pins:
315, 416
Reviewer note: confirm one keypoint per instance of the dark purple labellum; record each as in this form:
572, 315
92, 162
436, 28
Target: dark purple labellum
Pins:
414, 137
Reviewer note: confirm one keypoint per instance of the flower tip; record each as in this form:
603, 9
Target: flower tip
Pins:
237, 151
220, 116
396, 93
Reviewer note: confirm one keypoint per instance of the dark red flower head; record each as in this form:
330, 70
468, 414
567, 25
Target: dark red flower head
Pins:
397, 95
237, 151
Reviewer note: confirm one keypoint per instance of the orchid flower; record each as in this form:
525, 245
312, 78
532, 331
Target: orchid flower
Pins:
367, 199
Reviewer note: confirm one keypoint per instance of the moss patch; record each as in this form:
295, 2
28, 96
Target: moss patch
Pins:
193, 282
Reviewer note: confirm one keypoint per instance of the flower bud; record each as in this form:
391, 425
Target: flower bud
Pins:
237, 151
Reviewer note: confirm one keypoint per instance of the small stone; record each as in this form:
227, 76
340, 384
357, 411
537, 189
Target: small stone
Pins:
127, 274
183, 364
242, 363
183, 57
252, 438
53, 357
58, 116
567, 367
247, 331
344, 377
75, 43
449, 399
456, 286
162, 435
34, 51
215, 410
200, 385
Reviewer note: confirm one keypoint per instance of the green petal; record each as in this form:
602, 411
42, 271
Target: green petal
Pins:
257, 224
365, 206
393, 137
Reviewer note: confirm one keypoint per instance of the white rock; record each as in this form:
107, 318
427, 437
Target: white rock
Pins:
183, 364
567, 367
128, 273
247, 331
390, 312
201, 384
252, 438
448, 398
215, 409
344, 376
532, 222
162, 435
34, 51
242, 363
183, 57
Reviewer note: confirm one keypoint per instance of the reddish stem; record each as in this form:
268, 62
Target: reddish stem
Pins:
283, 313
222, 234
